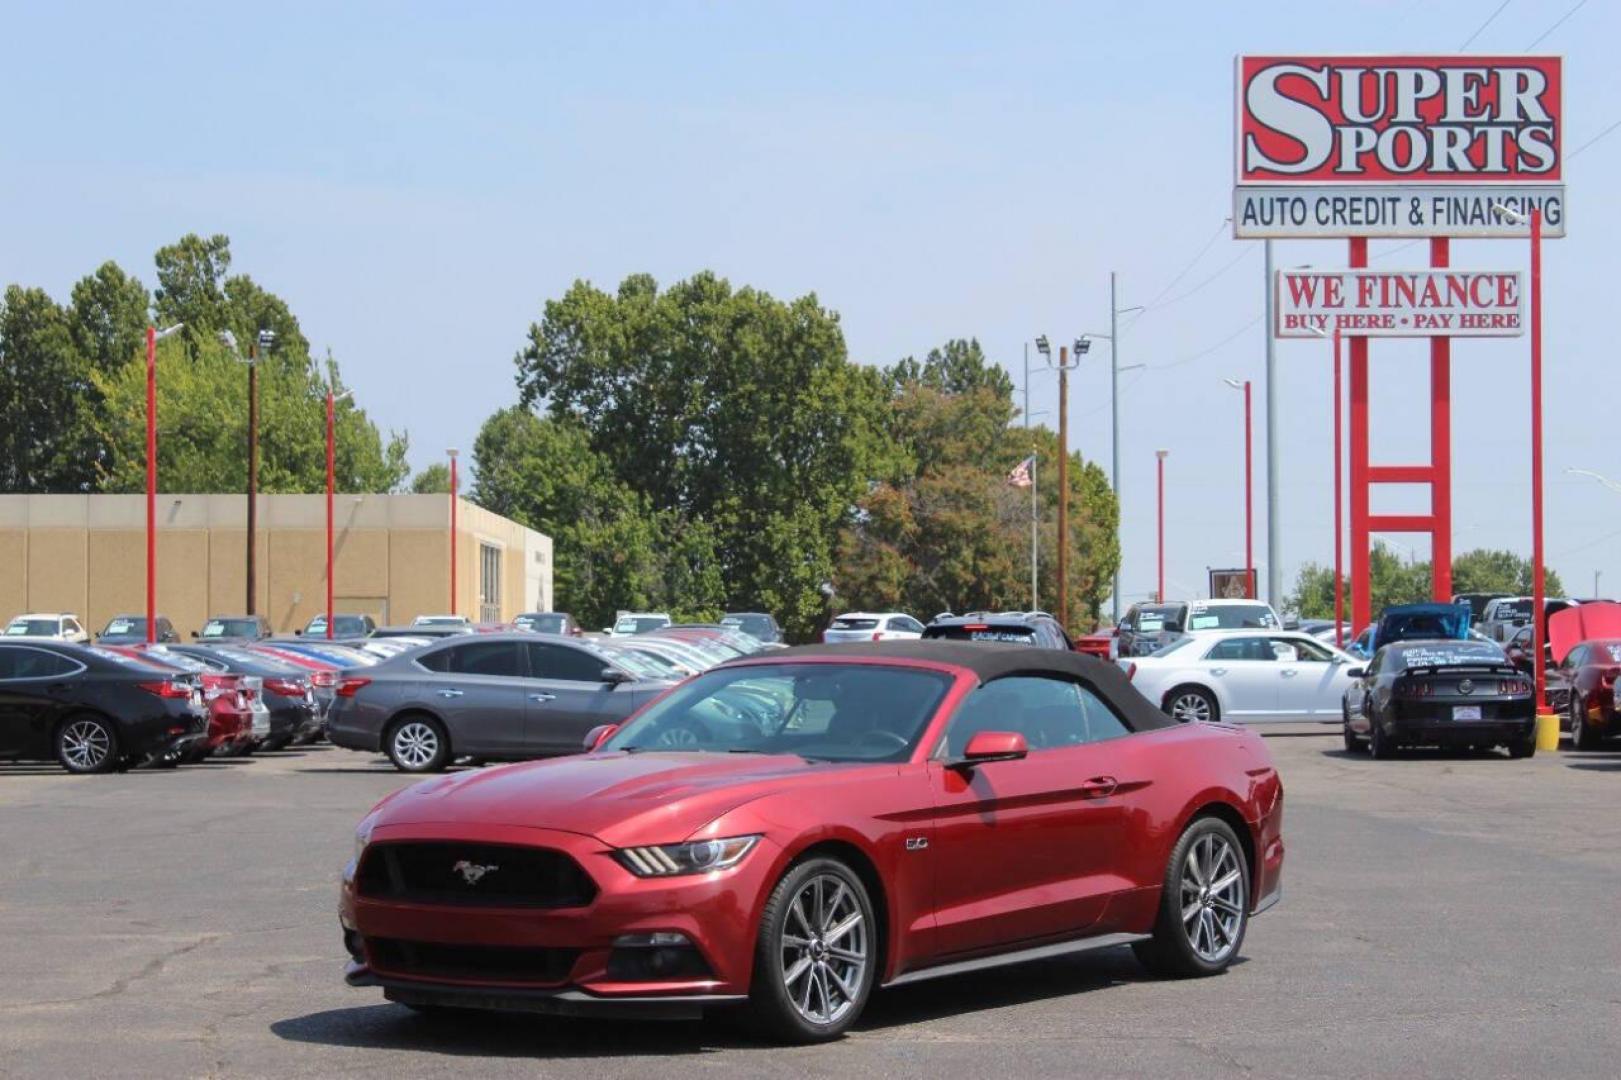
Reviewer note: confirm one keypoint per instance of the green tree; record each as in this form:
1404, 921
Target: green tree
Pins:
613, 551
108, 317
1484, 570
44, 393
433, 480
947, 532
738, 413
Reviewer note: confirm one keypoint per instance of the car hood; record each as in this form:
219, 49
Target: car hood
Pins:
620, 798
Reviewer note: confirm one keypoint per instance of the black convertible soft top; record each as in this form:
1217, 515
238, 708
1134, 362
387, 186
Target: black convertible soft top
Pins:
992, 660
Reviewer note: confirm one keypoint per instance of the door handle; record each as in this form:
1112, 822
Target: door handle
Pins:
1289, 673
450, 693
542, 697
1099, 787
1218, 671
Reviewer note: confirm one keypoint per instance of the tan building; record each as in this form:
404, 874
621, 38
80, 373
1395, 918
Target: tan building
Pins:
391, 554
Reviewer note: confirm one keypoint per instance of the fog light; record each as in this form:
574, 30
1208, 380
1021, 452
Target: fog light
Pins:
651, 941
657, 955
355, 945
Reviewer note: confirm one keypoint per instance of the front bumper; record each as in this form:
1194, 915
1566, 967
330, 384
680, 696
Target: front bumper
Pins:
716, 913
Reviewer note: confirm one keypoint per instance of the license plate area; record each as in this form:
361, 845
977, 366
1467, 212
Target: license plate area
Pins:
1466, 712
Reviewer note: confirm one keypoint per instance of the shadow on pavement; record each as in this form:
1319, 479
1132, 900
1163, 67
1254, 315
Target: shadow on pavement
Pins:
388, 1026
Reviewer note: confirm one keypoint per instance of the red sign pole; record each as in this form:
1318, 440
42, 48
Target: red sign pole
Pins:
1441, 448
1339, 503
1361, 590
1159, 594
331, 481
1538, 623
452, 532
151, 484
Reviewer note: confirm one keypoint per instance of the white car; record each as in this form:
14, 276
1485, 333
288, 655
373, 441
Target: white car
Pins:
1245, 675
637, 622
873, 626
61, 625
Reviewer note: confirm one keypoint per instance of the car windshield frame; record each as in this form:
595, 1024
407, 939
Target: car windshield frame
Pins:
1461, 652
1223, 612
773, 708
229, 628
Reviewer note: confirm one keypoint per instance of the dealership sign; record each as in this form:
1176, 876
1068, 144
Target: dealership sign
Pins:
1399, 303
1397, 146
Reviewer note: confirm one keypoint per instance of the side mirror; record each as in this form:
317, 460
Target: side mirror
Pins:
298, 633
599, 735
613, 676
1173, 627
194, 635
1356, 672
987, 746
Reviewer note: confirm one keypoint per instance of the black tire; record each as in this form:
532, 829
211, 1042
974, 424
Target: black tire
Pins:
1194, 702
1381, 746
1523, 747
1174, 948
85, 744
1352, 742
773, 1009
1582, 736
417, 743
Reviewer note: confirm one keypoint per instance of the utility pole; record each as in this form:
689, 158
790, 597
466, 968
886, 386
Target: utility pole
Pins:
264, 337
1274, 553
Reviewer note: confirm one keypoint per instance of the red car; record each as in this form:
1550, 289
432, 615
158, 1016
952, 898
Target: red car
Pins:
1585, 663
790, 830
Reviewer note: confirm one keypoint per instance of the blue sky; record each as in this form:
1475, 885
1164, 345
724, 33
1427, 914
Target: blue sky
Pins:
417, 179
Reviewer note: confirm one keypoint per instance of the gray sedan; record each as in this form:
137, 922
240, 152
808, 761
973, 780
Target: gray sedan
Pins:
506, 696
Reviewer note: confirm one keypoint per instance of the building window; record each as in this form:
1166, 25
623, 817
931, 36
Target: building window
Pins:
489, 583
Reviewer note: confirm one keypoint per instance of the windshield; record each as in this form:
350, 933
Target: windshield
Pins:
542, 624
122, 626
1231, 617
1512, 609
638, 664
1153, 619
231, 628
758, 626
640, 624
32, 627
825, 712
847, 623
1448, 653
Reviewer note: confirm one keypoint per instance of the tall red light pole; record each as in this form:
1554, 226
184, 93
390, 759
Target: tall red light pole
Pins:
1249, 488
153, 336
1159, 593
331, 485
452, 453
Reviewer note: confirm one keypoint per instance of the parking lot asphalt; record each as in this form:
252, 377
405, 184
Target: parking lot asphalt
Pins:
1443, 915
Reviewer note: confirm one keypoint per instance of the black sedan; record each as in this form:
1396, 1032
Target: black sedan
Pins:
93, 710
1463, 694
288, 693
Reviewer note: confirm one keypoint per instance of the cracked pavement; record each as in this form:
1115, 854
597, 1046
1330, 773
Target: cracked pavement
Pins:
1442, 915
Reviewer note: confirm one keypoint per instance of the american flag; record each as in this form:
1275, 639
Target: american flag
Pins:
1020, 476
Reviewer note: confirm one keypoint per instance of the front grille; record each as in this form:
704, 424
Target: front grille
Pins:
478, 875
495, 963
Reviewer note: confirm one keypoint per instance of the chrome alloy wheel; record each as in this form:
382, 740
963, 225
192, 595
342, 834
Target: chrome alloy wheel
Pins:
825, 948
1190, 707
678, 737
86, 744
416, 744
1213, 897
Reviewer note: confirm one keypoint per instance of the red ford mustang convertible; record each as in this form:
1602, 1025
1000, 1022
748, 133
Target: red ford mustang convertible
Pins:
791, 830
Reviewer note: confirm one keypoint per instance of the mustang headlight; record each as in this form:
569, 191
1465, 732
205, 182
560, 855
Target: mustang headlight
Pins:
694, 857
363, 835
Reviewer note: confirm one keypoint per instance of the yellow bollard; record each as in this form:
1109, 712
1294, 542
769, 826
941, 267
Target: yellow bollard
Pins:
1547, 729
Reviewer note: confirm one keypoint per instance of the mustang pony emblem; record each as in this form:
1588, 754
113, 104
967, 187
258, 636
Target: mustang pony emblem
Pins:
473, 872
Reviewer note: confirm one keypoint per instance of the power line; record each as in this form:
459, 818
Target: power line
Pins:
1169, 285
1482, 26
1613, 125
1557, 23
1202, 353
1249, 249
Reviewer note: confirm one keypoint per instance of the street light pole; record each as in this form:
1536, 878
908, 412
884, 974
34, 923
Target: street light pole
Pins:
331, 486
153, 336
1114, 438
452, 453
1249, 489
1159, 592
1063, 487
1035, 602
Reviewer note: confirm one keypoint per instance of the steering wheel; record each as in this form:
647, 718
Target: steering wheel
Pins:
880, 735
